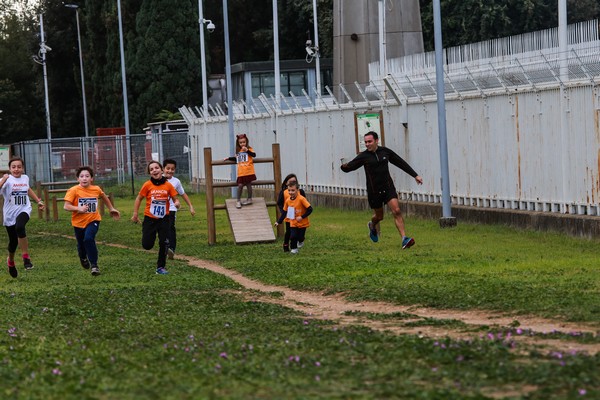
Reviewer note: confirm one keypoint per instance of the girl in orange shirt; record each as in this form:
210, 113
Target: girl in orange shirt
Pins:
82, 201
297, 209
244, 156
157, 192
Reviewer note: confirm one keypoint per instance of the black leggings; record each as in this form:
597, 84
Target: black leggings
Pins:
17, 231
150, 228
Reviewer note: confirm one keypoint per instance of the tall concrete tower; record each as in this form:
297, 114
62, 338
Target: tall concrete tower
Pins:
356, 37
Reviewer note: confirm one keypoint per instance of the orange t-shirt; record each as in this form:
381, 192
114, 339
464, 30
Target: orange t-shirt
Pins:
245, 163
157, 198
300, 205
78, 196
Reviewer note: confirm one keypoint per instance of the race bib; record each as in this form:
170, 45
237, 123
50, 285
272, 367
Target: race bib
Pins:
242, 157
158, 208
291, 213
91, 203
19, 198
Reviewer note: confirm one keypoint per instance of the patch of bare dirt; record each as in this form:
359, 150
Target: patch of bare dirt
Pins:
336, 308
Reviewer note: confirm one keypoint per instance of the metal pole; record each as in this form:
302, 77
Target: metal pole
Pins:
229, 92
318, 55
43, 53
447, 219
564, 121
276, 60
85, 117
204, 78
43, 50
203, 59
382, 44
125, 103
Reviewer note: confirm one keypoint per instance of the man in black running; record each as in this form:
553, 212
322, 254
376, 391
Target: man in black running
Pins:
380, 187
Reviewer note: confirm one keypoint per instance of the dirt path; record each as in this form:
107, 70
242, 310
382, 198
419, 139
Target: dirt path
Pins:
336, 308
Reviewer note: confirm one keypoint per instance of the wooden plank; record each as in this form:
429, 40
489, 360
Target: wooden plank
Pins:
251, 223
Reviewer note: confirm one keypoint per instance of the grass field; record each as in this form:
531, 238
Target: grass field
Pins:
195, 334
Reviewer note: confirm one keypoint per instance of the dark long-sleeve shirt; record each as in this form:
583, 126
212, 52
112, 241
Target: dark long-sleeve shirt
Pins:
377, 169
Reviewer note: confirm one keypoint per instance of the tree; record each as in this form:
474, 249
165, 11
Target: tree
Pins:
23, 108
469, 21
164, 60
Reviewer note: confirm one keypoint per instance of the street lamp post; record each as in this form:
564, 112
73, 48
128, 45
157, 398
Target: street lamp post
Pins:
43, 50
85, 117
42, 60
125, 102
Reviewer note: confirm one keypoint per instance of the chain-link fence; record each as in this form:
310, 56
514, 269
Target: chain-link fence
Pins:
116, 160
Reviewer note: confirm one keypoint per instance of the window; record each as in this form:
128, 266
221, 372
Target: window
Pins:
264, 82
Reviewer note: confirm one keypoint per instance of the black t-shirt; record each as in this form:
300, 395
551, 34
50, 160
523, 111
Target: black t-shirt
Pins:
377, 169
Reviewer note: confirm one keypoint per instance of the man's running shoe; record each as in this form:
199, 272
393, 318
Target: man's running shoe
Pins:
12, 269
85, 263
300, 244
373, 232
161, 271
95, 270
294, 251
407, 242
27, 263
170, 254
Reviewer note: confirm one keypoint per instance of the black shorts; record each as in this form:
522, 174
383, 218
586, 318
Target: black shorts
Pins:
378, 199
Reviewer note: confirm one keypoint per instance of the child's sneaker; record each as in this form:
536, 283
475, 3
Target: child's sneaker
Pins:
95, 270
27, 263
170, 254
286, 248
238, 204
85, 263
162, 271
247, 202
373, 232
407, 242
294, 251
12, 269
300, 244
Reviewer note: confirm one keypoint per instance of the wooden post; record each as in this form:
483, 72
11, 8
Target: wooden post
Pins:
210, 197
47, 202
277, 177
54, 209
101, 205
38, 191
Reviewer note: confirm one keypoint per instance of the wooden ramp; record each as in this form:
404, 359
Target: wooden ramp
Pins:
251, 223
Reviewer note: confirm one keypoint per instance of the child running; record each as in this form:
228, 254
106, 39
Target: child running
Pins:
157, 192
297, 209
170, 166
17, 209
82, 201
283, 196
244, 156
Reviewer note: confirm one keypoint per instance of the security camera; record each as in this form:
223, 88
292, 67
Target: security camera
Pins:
310, 51
210, 27
45, 47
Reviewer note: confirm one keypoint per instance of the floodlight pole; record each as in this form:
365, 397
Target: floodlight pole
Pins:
229, 90
447, 220
125, 102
